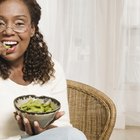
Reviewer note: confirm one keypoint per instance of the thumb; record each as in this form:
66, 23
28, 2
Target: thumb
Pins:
59, 114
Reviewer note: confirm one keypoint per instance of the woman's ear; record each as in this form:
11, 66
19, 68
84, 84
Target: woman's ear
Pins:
32, 34
32, 30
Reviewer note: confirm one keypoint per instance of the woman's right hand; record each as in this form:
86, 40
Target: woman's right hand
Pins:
25, 125
2, 49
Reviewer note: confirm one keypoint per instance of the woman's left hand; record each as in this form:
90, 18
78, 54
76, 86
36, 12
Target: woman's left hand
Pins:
24, 124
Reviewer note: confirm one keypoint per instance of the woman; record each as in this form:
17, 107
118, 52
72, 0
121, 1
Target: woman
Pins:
26, 67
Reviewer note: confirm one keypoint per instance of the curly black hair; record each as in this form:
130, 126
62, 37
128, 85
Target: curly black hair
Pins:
38, 65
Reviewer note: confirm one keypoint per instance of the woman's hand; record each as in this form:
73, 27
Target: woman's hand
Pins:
24, 124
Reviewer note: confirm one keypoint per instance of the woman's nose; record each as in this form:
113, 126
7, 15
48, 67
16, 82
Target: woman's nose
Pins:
9, 31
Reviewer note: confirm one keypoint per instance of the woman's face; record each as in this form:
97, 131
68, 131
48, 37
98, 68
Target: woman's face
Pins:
15, 15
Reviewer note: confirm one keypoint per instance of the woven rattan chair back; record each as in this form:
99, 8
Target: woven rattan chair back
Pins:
91, 111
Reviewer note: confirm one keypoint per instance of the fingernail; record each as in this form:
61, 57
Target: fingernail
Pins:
17, 117
35, 123
25, 120
63, 112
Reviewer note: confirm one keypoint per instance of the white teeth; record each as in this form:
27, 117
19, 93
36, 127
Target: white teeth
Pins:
9, 42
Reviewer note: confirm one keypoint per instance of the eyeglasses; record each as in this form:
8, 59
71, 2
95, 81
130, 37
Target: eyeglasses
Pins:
18, 27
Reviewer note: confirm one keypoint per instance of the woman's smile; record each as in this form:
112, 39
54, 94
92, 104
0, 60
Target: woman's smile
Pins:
10, 46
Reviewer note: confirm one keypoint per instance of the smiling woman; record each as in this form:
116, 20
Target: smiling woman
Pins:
27, 67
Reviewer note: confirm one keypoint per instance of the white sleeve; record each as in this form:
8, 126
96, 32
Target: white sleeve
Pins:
59, 92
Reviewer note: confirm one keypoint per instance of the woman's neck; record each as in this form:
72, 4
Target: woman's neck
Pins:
17, 76
16, 73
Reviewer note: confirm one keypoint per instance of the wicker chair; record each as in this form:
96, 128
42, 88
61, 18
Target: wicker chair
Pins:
91, 111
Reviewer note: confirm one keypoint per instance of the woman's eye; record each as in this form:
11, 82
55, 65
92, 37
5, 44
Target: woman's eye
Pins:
19, 24
2, 23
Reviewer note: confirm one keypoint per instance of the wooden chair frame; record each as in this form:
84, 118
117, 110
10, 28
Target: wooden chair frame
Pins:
91, 110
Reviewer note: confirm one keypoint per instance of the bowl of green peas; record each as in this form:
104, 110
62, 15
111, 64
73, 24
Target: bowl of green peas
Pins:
37, 108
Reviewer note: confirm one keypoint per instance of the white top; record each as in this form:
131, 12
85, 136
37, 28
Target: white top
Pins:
9, 90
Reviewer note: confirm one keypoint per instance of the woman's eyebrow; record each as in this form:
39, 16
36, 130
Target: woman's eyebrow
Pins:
21, 16
1, 17
17, 16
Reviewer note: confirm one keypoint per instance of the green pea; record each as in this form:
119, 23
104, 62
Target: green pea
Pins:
6, 46
37, 106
